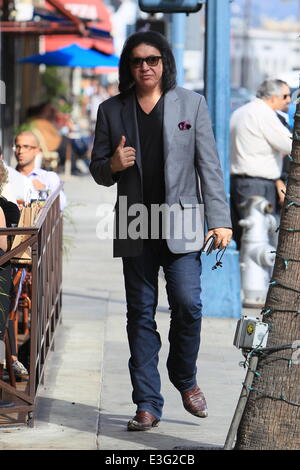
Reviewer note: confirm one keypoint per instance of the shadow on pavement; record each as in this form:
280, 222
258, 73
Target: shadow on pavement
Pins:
114, 426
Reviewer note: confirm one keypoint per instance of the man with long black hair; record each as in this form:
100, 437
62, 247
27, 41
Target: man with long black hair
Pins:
155, 141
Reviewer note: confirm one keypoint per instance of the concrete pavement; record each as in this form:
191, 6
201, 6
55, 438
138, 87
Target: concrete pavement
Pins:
85, 401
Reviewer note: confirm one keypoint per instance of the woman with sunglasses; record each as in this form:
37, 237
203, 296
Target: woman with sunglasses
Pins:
155, 141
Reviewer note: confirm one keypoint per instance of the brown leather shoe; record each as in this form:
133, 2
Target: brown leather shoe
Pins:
143, 421
194, 402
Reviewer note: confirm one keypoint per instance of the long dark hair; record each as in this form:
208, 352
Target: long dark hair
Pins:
154, 39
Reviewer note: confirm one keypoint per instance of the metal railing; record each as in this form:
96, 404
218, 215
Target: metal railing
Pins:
45, 269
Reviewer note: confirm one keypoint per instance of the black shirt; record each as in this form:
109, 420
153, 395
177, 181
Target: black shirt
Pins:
11, 211
151, 143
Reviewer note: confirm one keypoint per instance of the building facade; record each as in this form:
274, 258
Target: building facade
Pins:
260, 53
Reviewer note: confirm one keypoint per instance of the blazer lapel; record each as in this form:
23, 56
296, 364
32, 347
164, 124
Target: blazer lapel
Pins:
171, 119
129, 118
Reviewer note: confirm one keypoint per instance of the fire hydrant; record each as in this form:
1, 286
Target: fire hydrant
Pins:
257, 255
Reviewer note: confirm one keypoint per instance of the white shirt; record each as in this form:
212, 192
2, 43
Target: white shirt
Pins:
51, 180
19, 187
8, 192
258, 141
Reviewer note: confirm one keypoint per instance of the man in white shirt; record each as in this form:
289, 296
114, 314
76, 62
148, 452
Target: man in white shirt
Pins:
259, 141
26, 149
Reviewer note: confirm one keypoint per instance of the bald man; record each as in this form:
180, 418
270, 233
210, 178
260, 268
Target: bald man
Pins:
26, 149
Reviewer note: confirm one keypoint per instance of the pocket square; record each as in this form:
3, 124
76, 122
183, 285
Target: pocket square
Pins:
184, 125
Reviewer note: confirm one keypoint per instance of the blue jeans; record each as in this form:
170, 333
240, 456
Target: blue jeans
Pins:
182, 273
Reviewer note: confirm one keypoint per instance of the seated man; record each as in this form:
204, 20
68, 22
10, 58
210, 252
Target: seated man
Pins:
26, 149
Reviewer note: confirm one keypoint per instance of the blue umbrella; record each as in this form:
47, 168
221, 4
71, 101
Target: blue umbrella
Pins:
74, 56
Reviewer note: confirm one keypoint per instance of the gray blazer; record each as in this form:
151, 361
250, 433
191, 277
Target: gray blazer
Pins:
193, 178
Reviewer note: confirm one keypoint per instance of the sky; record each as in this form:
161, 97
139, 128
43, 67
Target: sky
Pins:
276, 9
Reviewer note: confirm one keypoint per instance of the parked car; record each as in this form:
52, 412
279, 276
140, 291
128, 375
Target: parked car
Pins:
238, 97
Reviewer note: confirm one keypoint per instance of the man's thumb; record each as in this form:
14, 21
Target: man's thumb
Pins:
122, 142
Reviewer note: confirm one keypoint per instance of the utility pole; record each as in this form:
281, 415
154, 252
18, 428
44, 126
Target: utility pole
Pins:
222, 285
177, 41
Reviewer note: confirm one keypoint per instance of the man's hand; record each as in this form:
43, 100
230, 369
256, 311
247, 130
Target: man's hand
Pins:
223, 237
281, 189
123, 157
37, 184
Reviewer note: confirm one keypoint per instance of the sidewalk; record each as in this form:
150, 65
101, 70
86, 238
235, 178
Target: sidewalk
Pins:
85, 401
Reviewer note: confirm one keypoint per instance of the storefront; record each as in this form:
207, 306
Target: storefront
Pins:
42, 25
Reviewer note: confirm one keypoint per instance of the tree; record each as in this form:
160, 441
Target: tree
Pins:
55, 82
271, 419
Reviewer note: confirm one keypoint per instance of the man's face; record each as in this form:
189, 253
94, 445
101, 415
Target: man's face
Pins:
283, 100
146, 75
26, 149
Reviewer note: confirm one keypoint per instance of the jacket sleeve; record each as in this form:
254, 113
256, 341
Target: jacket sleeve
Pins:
217, 212
102, 152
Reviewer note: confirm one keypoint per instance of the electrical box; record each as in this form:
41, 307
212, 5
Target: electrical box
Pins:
171, 6
251, 333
